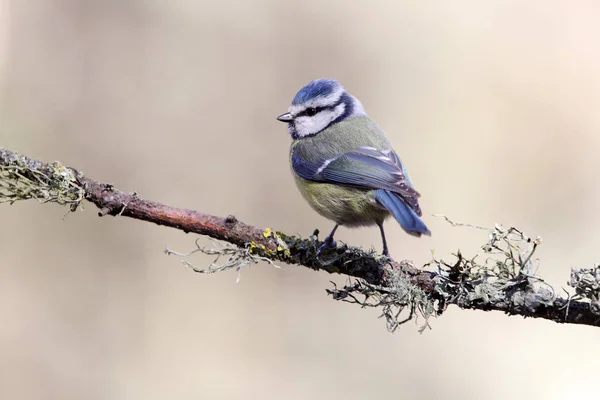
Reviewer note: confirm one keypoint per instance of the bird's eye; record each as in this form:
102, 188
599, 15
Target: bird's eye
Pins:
311, 111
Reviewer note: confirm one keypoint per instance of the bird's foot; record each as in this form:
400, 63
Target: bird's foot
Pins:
328, 243
387, 255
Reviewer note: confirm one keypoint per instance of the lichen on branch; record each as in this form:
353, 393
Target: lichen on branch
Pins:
22, 178
501, 276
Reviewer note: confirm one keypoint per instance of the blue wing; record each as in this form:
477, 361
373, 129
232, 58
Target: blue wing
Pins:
365, 167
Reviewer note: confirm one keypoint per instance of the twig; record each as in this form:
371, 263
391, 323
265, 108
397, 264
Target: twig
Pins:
504, 282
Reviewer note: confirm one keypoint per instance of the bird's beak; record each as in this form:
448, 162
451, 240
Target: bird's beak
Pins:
286, 117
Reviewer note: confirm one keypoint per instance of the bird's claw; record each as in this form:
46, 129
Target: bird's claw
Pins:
328, 243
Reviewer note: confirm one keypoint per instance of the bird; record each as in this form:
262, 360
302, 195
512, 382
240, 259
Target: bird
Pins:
344, 166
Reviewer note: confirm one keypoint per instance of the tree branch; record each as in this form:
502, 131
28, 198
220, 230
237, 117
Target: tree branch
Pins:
504, 282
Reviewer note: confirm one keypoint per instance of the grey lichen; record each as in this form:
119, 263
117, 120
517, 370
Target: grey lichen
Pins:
400, 301
505, 278
586, 282
22, 178
236, 258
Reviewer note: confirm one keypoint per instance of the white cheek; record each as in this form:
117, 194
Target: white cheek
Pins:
311, 125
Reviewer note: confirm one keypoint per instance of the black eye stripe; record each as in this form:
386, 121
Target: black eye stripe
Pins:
309, 111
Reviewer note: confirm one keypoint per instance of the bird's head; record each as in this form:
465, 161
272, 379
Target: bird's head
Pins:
319, 104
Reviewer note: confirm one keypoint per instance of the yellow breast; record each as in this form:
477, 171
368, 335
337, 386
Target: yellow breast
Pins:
345, 205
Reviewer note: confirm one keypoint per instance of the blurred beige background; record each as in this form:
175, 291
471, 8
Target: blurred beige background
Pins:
493, 105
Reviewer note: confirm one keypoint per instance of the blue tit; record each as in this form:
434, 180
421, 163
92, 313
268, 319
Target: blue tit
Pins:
344, 165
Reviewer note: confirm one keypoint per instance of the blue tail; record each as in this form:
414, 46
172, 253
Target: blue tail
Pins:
406, 217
